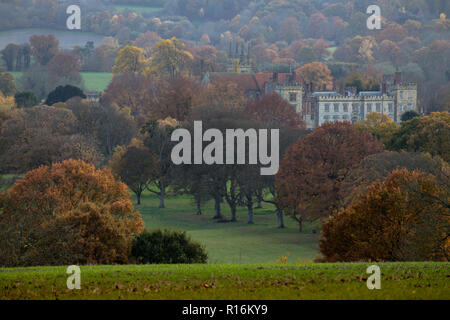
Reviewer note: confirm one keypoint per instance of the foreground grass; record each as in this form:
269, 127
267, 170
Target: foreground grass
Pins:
227, 281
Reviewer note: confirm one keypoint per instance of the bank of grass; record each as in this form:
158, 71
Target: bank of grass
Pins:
228, 281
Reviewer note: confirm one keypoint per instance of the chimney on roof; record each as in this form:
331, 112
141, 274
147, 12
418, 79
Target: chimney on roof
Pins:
342, 89
275, 77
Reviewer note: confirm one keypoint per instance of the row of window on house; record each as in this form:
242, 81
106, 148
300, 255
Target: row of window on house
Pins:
347, 107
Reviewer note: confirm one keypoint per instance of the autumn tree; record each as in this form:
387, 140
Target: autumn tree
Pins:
81, 214
363, 80
274, 112
65, 65
424, 134
313, 168
136, 166
380, 125
170, 59
389, 223
158, 141
379, 166
135, 93
306, 55
289, 30
26, 99
175, 98
110, 125
44, 48
7, 84
131, 59
43, 135
316, 73
7, 109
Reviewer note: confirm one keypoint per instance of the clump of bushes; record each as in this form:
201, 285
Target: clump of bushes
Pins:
165, 246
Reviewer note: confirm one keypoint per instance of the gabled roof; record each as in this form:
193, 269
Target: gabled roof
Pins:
244, 81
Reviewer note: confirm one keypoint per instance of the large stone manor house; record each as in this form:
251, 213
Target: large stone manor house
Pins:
315, 106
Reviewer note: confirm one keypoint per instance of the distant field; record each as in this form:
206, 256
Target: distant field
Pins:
67, 39
233, 242
137, 9
94, 81
228, 281
331, 50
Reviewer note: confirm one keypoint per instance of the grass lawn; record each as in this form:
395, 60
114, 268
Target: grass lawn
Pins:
93, 81
233, 242
96, 81
137, 9
227, 281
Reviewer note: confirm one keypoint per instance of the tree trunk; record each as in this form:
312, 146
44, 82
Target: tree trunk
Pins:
250, 211
280, 221
217, 213
199, 208
259, 201
233, 213
300, 225
162, 195
138, 196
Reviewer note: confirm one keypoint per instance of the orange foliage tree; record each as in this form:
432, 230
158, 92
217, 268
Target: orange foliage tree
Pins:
316, 73
312, 169
391, 222
88, 210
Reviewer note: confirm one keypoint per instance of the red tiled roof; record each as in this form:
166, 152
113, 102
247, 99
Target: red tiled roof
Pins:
243, 80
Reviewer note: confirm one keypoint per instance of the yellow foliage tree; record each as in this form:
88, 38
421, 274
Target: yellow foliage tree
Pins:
131, 59
170, 59
380, 125
7, 107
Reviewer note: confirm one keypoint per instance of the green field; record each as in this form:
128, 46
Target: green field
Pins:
96, 81
93, 81
225, 281
233, 242
137, 9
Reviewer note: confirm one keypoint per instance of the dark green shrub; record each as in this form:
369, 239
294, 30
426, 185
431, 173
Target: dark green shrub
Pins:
165, 246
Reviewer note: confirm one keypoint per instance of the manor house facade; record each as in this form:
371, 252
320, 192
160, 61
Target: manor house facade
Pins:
316, 107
